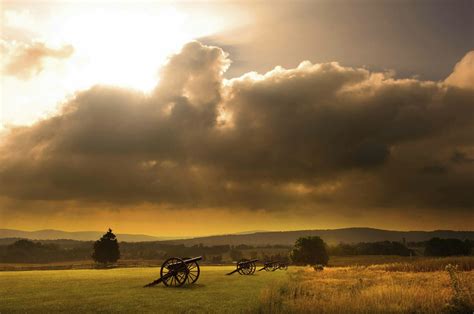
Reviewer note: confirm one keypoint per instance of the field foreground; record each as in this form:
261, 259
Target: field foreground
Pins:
122, 290
369, 290
299, 290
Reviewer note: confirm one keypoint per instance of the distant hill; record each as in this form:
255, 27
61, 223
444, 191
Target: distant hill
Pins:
79, 235
332, 236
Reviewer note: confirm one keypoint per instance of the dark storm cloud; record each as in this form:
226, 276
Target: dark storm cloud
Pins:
26, 60
315, 135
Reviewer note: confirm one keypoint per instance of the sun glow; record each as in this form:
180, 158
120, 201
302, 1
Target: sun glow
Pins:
127, 48
122, 44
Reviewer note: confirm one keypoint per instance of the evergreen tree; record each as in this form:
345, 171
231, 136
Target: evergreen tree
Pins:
106, 250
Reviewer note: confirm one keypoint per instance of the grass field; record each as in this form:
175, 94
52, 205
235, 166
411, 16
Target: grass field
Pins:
363, 290
423, 287
121, 290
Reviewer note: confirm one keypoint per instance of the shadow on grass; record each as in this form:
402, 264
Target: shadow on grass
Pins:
183, 287
105, 267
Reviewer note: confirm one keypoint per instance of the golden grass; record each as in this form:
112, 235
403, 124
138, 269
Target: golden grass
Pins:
403, 263
368, 260
464, 263
365, 290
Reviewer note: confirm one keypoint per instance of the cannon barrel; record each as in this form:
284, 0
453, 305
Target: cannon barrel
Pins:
191, 260
248, 262
187, 261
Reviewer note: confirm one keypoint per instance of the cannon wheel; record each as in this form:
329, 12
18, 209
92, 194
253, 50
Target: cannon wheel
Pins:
193, 271
253, 267
283, 267
175, 276
246, 269
268, 267
275, 267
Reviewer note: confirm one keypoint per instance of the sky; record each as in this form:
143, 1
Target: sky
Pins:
197, 118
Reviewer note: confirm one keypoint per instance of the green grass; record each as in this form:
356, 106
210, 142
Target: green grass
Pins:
122, 290
362, 285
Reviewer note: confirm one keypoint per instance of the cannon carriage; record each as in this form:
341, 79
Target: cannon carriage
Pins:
176, 272
274, 265
245, 267
283, 266
270, 266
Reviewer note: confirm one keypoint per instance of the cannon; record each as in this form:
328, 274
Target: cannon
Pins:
272, 266
245, 267
175, 272
283, 266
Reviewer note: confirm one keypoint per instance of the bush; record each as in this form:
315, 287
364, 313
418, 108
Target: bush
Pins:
462, 300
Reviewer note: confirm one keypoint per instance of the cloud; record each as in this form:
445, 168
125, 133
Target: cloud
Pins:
315, 136
463, 74
23, 60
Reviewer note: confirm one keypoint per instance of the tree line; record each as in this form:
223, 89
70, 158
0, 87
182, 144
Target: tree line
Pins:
108, 249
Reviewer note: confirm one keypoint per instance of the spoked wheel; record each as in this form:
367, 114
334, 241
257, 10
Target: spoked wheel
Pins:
253, 267
245, 268
268, 268
283, 267
193, 272
275, 267
174, 272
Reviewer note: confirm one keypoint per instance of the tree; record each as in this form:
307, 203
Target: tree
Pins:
106, 250
310, 251
236, 255
217, 259
371, 248
447, 247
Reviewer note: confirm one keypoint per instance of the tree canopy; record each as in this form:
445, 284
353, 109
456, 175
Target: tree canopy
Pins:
106, 249
447, 247
310, 251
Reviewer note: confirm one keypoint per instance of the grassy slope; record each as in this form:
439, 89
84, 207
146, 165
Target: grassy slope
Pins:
121, 290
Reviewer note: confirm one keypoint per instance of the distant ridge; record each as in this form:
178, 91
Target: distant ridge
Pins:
50, 234
331, 236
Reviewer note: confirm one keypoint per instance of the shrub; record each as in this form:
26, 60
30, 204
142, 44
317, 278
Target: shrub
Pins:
461, 301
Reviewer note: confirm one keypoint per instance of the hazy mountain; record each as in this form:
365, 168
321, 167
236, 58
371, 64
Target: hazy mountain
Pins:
252, 231
334, 236
331, 236
79, 235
